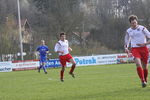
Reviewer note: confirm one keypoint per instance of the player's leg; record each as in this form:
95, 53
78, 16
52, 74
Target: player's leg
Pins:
44, 68
139, 69
62, 73
148, 51
145, 56
63, 63
145, 70
41, 65
43, 60
72, 67
137, 60
39, 68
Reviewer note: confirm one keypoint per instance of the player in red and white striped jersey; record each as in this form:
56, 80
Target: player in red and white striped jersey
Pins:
62, 48
136, 35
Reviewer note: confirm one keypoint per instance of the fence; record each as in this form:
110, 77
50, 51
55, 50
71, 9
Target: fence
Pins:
55, 63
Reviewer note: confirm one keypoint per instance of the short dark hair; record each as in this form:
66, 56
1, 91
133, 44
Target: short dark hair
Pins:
132, 17
62, 33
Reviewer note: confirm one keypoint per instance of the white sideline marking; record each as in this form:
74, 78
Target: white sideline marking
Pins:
49, 78
52, 79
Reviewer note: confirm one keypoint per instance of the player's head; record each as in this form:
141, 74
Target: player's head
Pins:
42, 42
133, 19
62, 36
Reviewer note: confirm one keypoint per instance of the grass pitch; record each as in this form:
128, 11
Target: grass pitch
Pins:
103, 82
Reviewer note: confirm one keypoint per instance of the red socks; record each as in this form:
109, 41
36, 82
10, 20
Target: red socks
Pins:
71, 71
141, 73
61, 74
72, 68
145, 74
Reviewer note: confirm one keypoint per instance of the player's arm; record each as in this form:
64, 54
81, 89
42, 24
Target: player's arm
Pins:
47, 51
144, 44
126, 44
146, 32
37, 50
70, 49
56, 49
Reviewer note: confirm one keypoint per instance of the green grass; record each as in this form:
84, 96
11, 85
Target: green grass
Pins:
105, 82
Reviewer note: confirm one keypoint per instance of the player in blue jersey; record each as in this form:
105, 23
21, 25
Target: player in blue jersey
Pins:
43, 50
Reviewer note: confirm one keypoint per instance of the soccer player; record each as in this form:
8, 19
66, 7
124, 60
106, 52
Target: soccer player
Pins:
62, 48
136, 35
43, 50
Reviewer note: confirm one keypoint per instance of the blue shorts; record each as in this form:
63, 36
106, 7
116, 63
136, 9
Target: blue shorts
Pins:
42, 59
